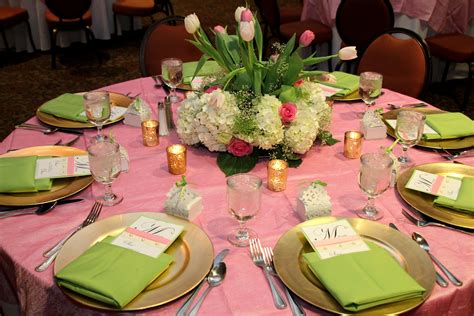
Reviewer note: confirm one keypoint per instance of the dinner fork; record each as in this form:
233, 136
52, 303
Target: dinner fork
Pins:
416, 218
258, 259
53, 252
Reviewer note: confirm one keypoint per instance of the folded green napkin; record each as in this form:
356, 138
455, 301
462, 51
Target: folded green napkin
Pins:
465, 200
210, 67
364, 279
68, 106
112, 274
449, 125
348, 82
17, 175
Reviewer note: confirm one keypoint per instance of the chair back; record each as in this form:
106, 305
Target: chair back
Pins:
404, 61
164, 39
270, 14
68, 9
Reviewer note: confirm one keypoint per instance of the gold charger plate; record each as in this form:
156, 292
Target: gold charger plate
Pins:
424, 202
115, 99
354, 96
193, 254
297, 276
62, 188
455, 143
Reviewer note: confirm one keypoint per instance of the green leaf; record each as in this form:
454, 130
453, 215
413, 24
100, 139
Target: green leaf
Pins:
294, 163
289, 46
287, 94
201, 62
319, 182
259, 39
232, 45
294, 68
317, 60
257, 82
230, 164
221, 46
326, 138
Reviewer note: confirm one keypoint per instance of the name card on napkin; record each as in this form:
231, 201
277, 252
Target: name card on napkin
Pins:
62, 167
333, 239
148, 236
434, 184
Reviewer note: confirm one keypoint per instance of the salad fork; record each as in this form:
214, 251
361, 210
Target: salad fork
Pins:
419, 221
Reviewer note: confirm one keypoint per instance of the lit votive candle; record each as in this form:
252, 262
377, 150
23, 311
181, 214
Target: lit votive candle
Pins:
277, 173
150, 133
353, 144
176, 158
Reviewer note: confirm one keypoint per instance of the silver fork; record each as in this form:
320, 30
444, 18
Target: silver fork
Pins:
51, 253
446, 154
416, 218
258, 259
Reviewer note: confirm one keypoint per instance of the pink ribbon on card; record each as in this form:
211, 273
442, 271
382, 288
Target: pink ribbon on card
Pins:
149, 236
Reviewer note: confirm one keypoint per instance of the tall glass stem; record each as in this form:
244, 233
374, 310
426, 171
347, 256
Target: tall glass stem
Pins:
108, 194
100, 137
404, 156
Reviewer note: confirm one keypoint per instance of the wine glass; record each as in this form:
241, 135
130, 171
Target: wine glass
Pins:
374, 179
370, 87
97, 107
172, 74
105, 166
243, 200
409, 130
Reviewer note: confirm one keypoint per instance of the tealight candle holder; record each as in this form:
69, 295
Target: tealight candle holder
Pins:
150, 133
277, 173
176, 158
353, 144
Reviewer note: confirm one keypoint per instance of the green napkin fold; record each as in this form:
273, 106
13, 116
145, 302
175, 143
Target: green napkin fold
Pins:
465, 200
364, 279
112, 274
449, 125
348, 82
209, 68
68, 106
17, 175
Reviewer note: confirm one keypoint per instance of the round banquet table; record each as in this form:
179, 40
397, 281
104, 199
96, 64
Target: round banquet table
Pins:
245, 290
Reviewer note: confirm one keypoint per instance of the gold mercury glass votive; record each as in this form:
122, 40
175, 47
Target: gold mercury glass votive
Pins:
353, 144
176, 158
277, 173
150, 133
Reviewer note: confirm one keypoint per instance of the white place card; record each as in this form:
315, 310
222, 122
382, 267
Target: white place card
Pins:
426, 129
62, 167
333, 239
434, 184
148, 236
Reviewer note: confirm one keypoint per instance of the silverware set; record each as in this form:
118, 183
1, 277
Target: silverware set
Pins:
409, 105
451, 155
417, 218
48, 129
38, 210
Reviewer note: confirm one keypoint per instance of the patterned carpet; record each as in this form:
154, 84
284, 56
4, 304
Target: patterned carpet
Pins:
27, 80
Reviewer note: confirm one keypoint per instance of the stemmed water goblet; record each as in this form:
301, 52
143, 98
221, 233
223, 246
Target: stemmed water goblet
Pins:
409, 130
370, 87
243, 201
97, 108
374, 179
172, 74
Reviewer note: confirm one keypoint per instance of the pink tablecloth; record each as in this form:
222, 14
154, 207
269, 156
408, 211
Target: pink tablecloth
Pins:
245, 290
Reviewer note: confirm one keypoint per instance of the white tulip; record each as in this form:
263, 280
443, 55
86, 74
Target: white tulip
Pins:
238, 13
247, 31
348, 53
191, 23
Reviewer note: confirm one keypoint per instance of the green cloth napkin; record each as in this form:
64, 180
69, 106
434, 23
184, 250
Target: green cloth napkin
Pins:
364, 279
210, 67
348, 82
449, 125
465, 200
112, 274
68, 106
17, 175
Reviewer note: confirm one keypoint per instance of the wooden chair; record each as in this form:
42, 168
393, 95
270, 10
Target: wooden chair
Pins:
164, 39
454, 48
12, 16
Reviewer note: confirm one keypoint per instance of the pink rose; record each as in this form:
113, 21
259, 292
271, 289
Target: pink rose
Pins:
239, 148
287, 112
220, 29
306, 38
298, 83
246, 16
213, 88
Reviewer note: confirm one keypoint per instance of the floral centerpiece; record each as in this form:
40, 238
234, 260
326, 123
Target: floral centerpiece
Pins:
255, 107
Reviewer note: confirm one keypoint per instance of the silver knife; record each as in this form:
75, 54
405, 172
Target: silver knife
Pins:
217, 260
22, 209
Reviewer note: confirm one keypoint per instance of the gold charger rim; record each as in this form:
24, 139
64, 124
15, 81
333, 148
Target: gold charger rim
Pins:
117, 99
424, 202
354, 96
74, 185
192, 237
287, 260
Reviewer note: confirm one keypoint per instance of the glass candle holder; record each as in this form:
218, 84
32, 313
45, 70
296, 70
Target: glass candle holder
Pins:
150, 133
277, 173
352, 144
176, 158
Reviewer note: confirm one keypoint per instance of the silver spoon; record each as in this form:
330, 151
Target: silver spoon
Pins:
215, 278
410, 105
426, 247
40, 210
32, 127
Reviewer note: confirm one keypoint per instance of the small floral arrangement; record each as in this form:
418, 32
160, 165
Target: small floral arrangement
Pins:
256, 107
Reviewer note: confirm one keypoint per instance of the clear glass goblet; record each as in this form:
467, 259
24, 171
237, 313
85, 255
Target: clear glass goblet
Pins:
370, 87
409, 130
374, 179
172, 74
105, 166
97, 108
244, 193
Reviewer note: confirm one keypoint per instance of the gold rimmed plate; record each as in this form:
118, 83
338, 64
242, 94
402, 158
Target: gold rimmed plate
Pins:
61, 189
192, 253
455, 143
116, 99
424, 202
297, 276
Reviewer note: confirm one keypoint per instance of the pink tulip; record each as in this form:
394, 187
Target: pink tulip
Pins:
220, 29
247, 31
287, 112
306, 38
246, 16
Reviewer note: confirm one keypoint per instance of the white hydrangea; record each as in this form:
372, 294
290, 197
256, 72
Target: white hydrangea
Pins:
187, 124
